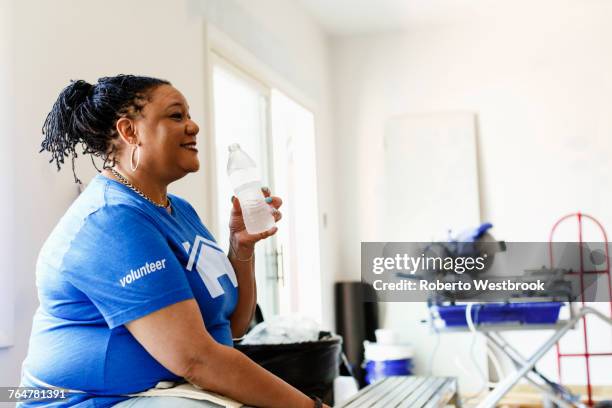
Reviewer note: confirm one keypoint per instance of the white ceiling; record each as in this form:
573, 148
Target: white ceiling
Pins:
347, 17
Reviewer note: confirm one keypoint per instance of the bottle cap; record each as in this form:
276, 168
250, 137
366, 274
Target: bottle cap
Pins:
233, 147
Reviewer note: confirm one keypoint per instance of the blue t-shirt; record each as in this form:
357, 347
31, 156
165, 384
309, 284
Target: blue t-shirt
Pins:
113, 258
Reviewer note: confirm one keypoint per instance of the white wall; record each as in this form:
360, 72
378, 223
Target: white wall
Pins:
6, 175
70, 39
539, 80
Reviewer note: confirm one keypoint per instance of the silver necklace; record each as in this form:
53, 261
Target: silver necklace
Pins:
125, 182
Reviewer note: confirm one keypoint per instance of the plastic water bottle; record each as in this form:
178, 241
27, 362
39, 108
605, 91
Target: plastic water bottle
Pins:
244, 177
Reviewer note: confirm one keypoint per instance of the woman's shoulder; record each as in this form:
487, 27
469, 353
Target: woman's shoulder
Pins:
105, 198
115, 193
114, 196
96, 214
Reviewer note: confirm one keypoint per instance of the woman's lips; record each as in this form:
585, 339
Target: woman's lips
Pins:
190, 146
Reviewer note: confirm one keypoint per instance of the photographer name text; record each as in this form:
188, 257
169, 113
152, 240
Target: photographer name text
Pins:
437, 285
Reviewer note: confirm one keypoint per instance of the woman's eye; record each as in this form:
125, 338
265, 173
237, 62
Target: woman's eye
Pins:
178, 116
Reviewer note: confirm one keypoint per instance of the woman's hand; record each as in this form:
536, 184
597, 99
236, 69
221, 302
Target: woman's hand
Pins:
242, 243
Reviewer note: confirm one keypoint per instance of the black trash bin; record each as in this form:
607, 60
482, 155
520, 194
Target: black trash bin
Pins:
310, 366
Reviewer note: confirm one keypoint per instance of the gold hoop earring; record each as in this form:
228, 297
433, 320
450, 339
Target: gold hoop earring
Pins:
136, 148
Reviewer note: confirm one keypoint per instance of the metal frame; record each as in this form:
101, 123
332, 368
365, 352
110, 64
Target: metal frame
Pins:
526, 366
606, 271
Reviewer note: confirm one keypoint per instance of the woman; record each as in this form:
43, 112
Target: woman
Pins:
133, 288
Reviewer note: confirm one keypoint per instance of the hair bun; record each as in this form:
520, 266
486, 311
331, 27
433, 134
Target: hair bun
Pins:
76, 93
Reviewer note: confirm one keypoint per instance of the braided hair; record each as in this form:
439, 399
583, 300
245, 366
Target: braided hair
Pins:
85, 114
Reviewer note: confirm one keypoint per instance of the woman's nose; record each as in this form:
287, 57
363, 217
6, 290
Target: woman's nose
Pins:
192, 128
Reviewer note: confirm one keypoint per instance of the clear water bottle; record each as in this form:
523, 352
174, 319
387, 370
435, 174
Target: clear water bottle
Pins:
244, 177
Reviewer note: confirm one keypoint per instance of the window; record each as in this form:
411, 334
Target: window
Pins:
278, 134
295, 181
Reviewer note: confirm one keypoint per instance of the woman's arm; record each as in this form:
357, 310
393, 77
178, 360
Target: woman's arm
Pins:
243, 262
177, 338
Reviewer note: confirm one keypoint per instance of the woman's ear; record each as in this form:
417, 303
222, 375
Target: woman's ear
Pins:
127, 131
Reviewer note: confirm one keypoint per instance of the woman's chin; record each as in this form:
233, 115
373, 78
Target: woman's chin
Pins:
193, 167
183, 168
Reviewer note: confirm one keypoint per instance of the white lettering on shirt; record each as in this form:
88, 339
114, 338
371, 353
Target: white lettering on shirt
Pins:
144, 270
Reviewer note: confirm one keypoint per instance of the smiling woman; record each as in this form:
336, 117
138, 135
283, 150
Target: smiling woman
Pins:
133, 288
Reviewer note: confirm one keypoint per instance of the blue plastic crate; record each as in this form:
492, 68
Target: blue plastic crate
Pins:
524, 313
377, 370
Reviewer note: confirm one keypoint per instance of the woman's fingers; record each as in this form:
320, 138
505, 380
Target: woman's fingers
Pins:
244, 237
236, 205
268, 233
277, 215
274, 201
